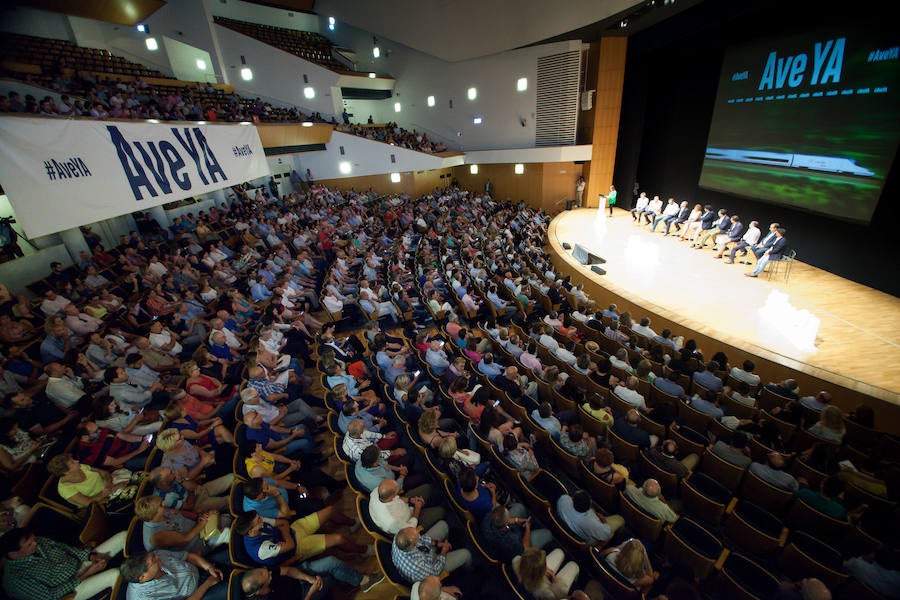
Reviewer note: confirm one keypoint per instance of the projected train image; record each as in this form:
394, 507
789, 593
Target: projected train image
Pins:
810, 162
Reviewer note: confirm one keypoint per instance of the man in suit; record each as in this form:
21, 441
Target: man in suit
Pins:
776, 252
721, 226
766, 243
734, 235
751, 237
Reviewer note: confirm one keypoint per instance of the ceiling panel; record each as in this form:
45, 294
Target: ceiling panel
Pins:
455, 30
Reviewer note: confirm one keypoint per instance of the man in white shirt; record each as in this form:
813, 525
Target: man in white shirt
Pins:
392, 513
653, 209
160, 337
218, 325
53, 303
628, 392
251, 402
620, 360
746, 374
642, 202
671, 210
66, 390
158, 269
436, 357
547, 340
644, 329
750, 239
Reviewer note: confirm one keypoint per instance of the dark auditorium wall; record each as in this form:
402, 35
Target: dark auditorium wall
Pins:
670, 87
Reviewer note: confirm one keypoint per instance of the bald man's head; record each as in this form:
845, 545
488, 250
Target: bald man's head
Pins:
651, 488
430, 588
776, 460
813, 589
356, 428
387, 489
633, 417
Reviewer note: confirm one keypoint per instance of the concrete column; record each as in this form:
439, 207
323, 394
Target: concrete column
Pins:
74, 242
159, 213
219, 198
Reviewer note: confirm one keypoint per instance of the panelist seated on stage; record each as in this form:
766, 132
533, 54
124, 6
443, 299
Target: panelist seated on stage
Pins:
776, 252
750, 238
642, 202
733, 236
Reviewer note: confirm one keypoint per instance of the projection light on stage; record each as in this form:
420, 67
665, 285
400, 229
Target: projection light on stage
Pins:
429, 101
519, 168
309, 92
522, 84
395, 177
152, 45
246, 74
201, 64
782, 321
372, 75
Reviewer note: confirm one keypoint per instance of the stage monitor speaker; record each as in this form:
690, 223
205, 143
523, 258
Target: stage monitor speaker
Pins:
598, 270
581, 254
566, 246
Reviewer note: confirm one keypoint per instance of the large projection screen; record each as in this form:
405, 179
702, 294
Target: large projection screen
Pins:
810, 121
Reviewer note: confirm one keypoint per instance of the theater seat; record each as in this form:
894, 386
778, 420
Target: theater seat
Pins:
743, 579
689, 544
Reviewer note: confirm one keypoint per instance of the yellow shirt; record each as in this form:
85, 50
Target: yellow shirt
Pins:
92, 485
266, 463
599, 414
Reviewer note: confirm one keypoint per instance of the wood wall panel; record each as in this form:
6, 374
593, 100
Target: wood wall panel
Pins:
606, 112
381, 184
279, 135
507, 185
542, 185
426, 181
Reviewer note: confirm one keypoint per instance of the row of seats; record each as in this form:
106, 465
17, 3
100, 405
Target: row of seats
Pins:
307, 45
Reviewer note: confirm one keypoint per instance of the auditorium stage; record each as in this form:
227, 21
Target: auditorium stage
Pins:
817, 323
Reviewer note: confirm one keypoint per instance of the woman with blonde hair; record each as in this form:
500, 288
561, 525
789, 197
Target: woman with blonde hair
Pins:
429, 432
172, 530
178, 453
830, 426
540, 573
630, 559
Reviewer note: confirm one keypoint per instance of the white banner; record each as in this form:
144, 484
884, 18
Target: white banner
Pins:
60, 174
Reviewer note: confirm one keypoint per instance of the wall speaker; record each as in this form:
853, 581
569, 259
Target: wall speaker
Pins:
598, 270
566, 246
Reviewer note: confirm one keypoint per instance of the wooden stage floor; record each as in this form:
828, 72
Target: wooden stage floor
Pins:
817, 322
